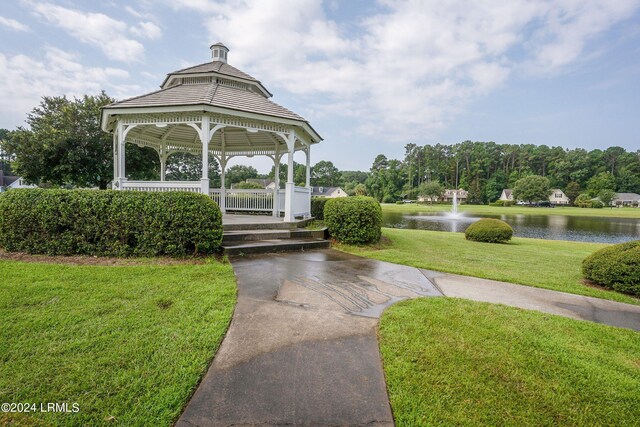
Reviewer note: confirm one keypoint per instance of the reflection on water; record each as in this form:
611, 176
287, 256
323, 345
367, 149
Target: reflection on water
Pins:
551, 227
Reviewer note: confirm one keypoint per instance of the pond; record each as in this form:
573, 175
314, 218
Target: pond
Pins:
551, 227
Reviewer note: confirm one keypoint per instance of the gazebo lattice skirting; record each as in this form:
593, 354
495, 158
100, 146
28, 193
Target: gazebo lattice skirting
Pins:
215, 111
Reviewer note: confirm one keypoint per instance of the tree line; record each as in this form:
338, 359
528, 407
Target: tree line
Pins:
484, 169
62, 145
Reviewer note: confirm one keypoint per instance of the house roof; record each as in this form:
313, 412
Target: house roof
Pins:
507, 192
7, 180
627, 196
315, 191
214, 94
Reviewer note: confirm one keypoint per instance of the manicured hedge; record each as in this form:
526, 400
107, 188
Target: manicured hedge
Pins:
489, 230
615, 267
353, 219
317, 207
109, 223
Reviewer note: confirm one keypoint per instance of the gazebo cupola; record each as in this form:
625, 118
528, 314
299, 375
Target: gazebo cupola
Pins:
214, 109
219, 52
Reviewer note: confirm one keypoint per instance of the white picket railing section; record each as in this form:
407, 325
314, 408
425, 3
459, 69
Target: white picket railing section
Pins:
235, 200
245, 200
162, 186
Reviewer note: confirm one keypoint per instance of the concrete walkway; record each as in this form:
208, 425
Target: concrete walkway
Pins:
545, 300
302, 347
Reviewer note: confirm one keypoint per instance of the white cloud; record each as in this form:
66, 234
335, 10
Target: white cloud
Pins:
97, 29
147, 30
411, 66
26, 79
12, 24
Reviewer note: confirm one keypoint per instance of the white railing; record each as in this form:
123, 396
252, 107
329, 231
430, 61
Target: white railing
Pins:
245, 200
162, 186
235, 200
301, 201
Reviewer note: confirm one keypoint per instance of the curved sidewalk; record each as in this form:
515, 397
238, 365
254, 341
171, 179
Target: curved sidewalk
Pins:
302, 346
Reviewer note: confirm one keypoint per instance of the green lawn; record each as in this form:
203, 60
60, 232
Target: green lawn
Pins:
128, 343
414, 208
551, 264
456, 362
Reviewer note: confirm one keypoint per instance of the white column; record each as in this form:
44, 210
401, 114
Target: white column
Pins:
163, 166
204, 137
122, 177
276, 180
308, 178
289, 186
115, 160
223, 190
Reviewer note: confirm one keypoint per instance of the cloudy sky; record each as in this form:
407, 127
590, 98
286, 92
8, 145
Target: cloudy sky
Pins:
369, 76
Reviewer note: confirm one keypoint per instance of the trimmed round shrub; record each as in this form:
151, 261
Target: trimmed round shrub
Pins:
616, 267
489, 230
353, 220
317, 207
388, 198
109, 223
597, 204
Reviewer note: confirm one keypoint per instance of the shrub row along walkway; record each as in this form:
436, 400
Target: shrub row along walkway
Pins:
302, 347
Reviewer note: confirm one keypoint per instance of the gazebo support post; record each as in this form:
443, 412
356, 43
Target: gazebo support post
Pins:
223, 190
276, 182
290, 186
308, 176
204, 137
121, 156
115, 160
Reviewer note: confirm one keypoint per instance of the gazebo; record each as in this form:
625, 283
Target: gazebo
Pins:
214, 109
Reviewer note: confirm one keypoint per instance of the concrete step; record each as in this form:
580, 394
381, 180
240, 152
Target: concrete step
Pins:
270, 234
260, 223
274, 245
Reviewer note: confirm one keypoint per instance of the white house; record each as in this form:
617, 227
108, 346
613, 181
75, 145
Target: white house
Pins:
447, 196
507, 195
557, 197
626, 199
329, 192
10, 181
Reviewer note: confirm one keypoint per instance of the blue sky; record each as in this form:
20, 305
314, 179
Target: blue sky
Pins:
369, 76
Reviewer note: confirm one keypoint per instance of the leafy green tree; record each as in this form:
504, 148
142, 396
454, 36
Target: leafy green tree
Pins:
248, 186
431, 189
360, 190
602, 181
583, 201
572, 190
606, 196
188, 167
299, 173
64, 145
325, 174
5, 157
532, 188
239, 173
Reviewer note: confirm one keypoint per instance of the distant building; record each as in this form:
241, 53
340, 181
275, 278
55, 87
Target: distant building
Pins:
10, 181
507, 195
328, 192
626, 199
267, 184
447, 196
558, 197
